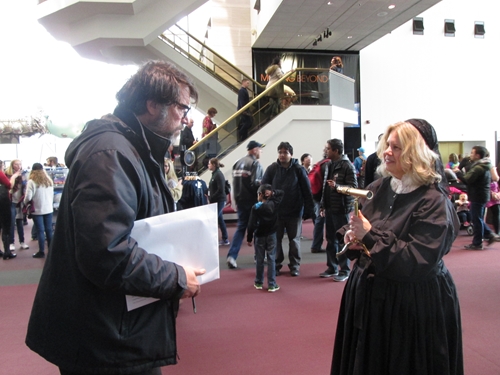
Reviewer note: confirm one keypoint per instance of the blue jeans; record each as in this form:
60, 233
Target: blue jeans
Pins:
263, 245
243, 217
220, 220
481, 230
44, 230
333, 223
319, 228
293, 229
15, 223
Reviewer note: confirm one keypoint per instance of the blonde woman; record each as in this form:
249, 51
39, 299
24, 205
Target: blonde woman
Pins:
40, 189
400, 312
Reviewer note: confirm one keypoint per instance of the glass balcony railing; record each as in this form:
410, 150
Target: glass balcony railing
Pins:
208, 60
298, 87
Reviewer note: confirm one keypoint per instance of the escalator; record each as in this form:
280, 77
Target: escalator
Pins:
298, 87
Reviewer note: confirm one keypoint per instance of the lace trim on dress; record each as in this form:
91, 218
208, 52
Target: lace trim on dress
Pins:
403, 186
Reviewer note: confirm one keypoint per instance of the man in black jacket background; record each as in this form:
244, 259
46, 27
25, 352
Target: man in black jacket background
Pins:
288, 175
336, 207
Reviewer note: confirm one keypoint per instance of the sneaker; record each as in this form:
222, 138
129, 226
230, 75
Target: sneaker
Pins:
257, 286
273, 288
474, 247
340, 277
12, 247
231, 263
328, 273
294, 273
493, 238
39, 255
224, 243
24, 246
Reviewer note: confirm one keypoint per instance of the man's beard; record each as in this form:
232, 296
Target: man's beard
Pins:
163, 130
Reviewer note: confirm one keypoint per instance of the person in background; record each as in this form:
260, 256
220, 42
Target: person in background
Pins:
40, 190
18, 189
52, 162
246, 119
452, 161
208, 124
186, 140
79, 319
372, 163
2, 166
463, 210
360, 166
336, 65
5, 221
319, 222
173, 183
336, 207
217, 194
262, 228
493, 206
247, 176
288, 175
306, 161
274, 73
478, 180
400, 312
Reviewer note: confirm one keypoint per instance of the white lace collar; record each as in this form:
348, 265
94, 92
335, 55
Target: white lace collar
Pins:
403, 186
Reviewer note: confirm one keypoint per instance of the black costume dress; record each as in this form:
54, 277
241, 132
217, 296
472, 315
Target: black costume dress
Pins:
400, 312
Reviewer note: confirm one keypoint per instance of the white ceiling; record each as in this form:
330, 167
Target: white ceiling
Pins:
354, 23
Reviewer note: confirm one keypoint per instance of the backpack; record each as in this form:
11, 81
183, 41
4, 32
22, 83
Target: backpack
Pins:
317, 179
227, 188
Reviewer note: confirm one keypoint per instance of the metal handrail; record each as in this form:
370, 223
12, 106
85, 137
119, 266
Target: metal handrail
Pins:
195, 60
254, 101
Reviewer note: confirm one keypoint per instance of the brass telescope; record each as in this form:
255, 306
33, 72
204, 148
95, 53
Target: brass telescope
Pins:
356, 193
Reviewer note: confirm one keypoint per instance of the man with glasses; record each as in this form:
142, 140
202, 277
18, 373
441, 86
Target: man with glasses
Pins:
79, 319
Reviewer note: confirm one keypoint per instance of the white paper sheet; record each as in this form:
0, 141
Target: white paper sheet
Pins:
187, 237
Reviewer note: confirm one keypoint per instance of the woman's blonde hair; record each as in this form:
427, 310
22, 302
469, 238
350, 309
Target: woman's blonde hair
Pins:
417, 160
10, 171
41, 178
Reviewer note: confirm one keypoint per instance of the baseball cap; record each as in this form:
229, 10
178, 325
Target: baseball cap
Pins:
361, 149
252, 144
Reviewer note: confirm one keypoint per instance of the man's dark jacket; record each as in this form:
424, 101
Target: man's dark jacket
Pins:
79, 319
187, 137
343, 173
478, 180
293, 180
247, 176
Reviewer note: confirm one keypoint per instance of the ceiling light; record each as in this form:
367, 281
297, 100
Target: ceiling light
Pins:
349, 37
392, 6
382, 14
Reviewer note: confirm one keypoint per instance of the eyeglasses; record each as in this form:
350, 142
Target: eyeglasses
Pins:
184, 107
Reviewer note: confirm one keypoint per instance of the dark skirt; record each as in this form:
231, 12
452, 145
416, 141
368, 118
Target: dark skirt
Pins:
393, 327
